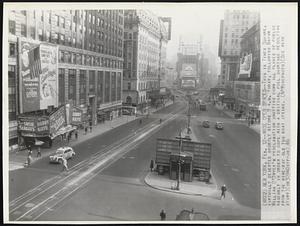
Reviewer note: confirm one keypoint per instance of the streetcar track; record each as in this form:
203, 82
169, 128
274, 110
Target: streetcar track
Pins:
111, 150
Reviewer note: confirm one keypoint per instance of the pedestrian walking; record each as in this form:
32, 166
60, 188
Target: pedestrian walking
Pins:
39, 154
85, 130
29, 158
76, 134
68, 137
151, 165
223, 191
29, 150
162, 215
65, 164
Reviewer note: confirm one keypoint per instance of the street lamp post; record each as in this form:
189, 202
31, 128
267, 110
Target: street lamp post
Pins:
179, 162
189, 119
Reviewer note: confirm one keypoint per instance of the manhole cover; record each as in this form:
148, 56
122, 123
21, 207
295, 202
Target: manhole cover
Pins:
29, 205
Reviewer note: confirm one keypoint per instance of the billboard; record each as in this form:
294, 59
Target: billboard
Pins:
33, 126
201, 152
38, 76
48, 77
77, 116
188, 83
245, 66
57, 120
188, 70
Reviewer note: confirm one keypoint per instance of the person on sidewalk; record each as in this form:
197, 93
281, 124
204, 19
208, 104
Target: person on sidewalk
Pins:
91, 126
29, 150
85, 130
76, 134
223, 191
151, 165
39, 154
162, 215
65, 164
29, 160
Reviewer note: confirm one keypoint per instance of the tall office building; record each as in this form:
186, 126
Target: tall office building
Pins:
61, 57
145, 41
232, 27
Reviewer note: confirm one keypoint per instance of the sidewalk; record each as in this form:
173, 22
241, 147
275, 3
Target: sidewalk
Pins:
18, 159
230, 113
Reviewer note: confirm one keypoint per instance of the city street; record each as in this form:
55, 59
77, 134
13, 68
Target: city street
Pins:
116, 190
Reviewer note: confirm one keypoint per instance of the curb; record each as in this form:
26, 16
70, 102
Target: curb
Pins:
172, 191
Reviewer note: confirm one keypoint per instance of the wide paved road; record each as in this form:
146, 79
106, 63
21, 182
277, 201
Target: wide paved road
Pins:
235, 156
118, 191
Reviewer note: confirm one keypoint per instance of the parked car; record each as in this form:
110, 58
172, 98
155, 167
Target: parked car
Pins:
62, 152
205, 124
219, 125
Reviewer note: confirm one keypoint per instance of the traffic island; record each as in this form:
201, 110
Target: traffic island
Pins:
195, 187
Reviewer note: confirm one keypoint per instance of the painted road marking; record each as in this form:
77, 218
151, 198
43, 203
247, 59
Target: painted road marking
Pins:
213, 136
235, 169
131, 157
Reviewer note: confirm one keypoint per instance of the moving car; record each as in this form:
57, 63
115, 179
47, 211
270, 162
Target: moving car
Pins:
62, 152
205, 124
219, 125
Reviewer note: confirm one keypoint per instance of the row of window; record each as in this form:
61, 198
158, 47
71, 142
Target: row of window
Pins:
107, 88
12, 96
84, 59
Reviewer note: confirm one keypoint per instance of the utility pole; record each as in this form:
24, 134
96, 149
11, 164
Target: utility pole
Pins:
189, 118
179, 162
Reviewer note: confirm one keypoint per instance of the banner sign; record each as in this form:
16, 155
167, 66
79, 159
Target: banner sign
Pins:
38, 76
26, 124
57, 120
42, 125
77, 116
245, 66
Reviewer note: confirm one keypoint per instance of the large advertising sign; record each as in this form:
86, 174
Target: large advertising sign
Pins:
30, 69
185, 83
38, 76
76, 116
27, 124
34, 126
245, 66
42, 126
188, 70
57, 120
48, 77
